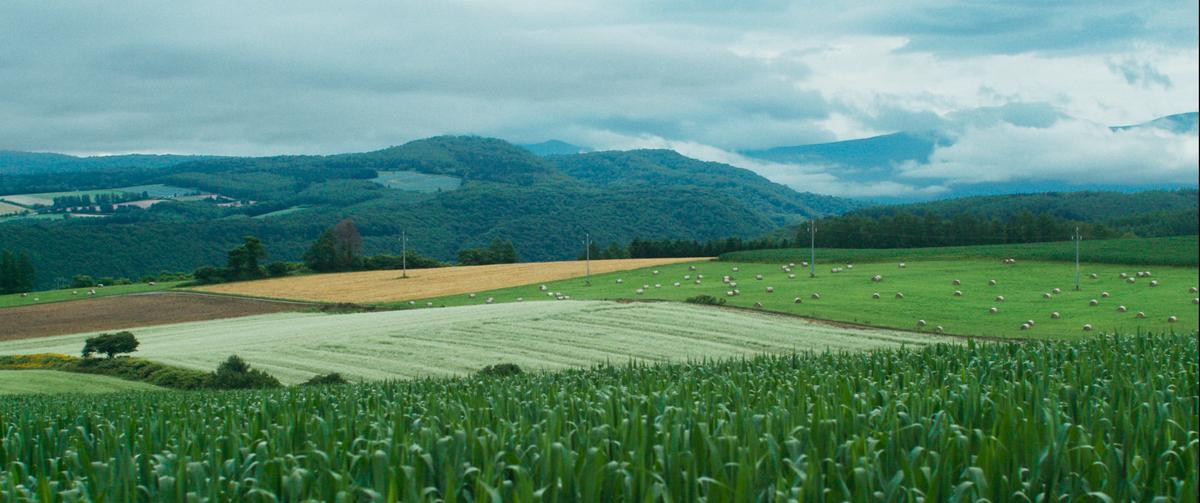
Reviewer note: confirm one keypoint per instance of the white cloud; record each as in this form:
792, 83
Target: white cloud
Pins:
1070, 150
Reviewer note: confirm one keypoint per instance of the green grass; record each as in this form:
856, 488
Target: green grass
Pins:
927, 289
9, 209
13, 382
416, 181
159, 190
1102, 419
442, 342
1177, 250
279, 213
68, 294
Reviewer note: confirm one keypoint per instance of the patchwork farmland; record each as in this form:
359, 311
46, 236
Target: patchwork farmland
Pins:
460, 340
388, 286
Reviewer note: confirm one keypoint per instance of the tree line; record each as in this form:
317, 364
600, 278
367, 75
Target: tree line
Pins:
17, 274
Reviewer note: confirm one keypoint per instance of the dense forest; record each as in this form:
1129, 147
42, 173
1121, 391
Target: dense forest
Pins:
541, 206
1023, 218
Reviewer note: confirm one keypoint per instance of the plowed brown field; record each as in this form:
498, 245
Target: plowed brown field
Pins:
128, 311
388, 286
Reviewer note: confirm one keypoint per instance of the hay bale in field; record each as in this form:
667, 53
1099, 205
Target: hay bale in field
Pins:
797, 300
816, 296
658, 285
76, 292
1140, 315
993, 310
1087, 327
676, 283
1056, 291
470, 296
1192, 290
875, 295
1130, 280
877, 278
804, 264
1025, 326
999, 298
899, 295
1104, 294
1093, 276
1153, 282
729, 293
697, 282
1047, 295
791, 264
699, 276
645, 286
619, 281
655, 272
1054, 315
958, 293
691, 268
23, 295
1195, 301
956, 282
1093, 302
920, 323
543, 288
1122, 275
490, 300
1121, 309
902, 265
1172, 319
520, 299
770, 289
639, 291
991, 282
735, 269
412, 302
758, 277
791, 276
849, 266
758, 305
687, 277
1030, 322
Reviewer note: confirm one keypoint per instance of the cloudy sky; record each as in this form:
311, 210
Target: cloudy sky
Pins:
259, 78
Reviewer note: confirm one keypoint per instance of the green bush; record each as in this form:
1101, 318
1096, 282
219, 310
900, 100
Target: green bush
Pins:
501, 370
82, 281
235, 373
110, 344
707, 300
331, 378
277, 269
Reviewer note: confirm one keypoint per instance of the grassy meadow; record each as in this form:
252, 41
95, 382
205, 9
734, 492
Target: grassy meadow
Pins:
66, 294
927, 287
15, 382
455, 341
1097, 419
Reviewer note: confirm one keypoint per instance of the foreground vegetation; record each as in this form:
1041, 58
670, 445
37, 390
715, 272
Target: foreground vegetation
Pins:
443, 342
1107, 418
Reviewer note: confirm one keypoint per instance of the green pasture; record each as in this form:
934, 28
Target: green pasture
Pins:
16, 382
927, 288
66, 294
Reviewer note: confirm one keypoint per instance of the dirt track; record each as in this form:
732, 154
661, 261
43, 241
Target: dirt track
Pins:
128, 311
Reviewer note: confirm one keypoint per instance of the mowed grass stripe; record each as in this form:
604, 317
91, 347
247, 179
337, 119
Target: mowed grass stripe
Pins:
455, 341
387, 286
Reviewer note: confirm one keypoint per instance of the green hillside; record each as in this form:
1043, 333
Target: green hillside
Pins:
543, 206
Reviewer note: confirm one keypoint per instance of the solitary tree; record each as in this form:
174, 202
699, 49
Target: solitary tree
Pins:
243, 260
338, 249
110, 344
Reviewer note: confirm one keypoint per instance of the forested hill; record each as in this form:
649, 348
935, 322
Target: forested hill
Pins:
448, 193
1019, 218
20, 163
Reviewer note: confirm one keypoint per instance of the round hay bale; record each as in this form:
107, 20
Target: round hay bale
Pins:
770, 289
958, 293
791, 276
1087, 327
991, 282
1055, 315
920, 323
999, 298
758, 277
1192, 290
1024, 326
797, 300
1140, 315
1153, 282
993, 310
1172, 319
1093, 276
1130, 280
758, 305
899, 295
1104, 294
939, 329
902, 265
619, 281
816, 296
956, 282
1121, 309
1047, 295
875, 295
1093, 302
1056, 291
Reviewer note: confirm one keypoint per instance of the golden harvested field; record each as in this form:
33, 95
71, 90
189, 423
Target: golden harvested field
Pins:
387, 286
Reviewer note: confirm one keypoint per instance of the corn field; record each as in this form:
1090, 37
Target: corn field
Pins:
1102, 419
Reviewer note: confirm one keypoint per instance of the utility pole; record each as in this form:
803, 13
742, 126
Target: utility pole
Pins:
812, 248
1077, 238
404, 253
587, 256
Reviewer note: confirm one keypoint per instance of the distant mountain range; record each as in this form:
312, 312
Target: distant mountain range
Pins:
877, 159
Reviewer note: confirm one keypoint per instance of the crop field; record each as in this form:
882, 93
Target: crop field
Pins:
1099, 419
443, 342
928, 294
9, 209
13, 382
388, 286
68, 294
416, 181
128, 311
1177, 250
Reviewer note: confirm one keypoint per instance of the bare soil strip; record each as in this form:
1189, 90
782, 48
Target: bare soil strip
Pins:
129, 311
388, 286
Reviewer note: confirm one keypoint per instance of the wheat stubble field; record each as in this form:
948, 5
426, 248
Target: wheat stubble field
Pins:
387, 286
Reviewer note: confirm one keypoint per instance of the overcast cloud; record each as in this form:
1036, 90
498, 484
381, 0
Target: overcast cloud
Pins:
259, 78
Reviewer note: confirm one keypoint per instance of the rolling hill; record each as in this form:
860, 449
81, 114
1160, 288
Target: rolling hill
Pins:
544, 205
